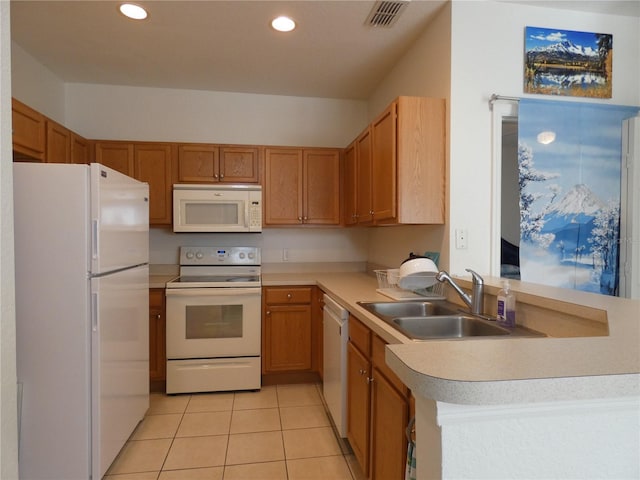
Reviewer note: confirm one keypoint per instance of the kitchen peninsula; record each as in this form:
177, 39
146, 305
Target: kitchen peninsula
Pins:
563, 405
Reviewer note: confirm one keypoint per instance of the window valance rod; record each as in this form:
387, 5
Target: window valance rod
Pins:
495, 97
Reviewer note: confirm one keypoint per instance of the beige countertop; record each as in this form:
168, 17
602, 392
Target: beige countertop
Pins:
486, 371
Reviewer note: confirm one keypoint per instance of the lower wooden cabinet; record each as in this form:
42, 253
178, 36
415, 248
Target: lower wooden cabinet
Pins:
286, 329
157, 336
377, 406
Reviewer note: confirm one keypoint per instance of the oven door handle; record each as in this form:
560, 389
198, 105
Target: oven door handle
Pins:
211, 292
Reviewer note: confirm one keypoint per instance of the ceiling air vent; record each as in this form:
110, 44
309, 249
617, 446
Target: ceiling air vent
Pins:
385, 14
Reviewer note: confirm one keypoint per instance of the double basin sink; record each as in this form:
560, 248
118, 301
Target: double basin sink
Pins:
428, 320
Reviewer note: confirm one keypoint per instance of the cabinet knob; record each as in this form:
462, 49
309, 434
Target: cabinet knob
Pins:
221, 176
304, 219
289, 296
158, 316
300, 219
268, 312
215, 175
369, 380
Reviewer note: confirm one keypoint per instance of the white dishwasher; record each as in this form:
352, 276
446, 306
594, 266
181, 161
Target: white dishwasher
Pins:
335, 338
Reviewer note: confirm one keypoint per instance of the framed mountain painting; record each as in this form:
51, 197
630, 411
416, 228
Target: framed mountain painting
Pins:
564, 62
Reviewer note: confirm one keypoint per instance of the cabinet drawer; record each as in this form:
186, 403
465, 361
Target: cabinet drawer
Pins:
377, 356
287, 295
360, 335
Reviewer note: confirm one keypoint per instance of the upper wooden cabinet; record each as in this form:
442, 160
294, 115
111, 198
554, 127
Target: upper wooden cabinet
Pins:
204, 163
80, 149
349, 180
147, 162
400, 162
302, 186
116, 155
58, 143
152, 164
29, 132
364, 174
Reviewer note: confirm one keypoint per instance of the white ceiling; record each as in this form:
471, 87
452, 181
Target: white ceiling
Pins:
229, 45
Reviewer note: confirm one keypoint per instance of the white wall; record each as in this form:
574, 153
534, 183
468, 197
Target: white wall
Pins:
487, 49
302, 245
8, 395
36, 85
172, 115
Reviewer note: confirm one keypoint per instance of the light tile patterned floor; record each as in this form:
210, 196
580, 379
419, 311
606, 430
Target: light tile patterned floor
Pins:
279, 433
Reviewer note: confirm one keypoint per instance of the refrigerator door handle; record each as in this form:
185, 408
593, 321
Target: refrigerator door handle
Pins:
94, 238
94, 312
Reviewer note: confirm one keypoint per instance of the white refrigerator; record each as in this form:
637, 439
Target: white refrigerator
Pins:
82, 324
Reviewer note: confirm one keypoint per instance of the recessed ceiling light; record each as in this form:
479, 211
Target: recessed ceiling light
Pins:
283, 24
133, 11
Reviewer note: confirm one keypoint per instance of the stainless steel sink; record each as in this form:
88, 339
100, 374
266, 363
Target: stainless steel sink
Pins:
438, 319
386, 310
446, 326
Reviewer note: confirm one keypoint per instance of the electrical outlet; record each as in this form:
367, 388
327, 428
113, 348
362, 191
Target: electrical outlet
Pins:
461, 238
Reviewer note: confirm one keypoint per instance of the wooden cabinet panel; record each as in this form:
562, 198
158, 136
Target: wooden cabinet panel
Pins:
302, 186
29, 132
321, 193
400, 164
283, 187
239, 164
206, 163
364, 206
358, 405
79, 149
350, 186
360, 335
116, 155
377, 358
152, 164
197, 163
288, 335
287, 328
383, 161
157, 335
390, 414
288, 295
317, 335
58, 143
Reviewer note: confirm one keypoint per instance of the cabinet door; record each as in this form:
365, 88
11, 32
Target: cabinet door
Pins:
116, 155
283, 186
350, 188
157, 340
383, 160
389, 418
287, 335
239, 165
196, 164
364, 207
29, 132
358, 405
152, 164
79, 149
321, 187
58, 143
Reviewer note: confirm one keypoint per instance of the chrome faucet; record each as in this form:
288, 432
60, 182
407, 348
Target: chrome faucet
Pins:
476, 300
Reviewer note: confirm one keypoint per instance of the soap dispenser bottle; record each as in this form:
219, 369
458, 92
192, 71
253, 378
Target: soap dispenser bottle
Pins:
506, 306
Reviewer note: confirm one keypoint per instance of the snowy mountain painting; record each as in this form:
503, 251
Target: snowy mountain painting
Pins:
564, 62
570, 193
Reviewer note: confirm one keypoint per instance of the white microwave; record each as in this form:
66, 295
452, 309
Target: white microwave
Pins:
217, 208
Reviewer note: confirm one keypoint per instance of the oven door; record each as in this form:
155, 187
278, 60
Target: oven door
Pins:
213, 322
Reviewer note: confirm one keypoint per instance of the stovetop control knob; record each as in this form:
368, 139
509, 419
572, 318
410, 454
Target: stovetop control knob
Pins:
251, 255
189, 255
199, 255
241, 255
